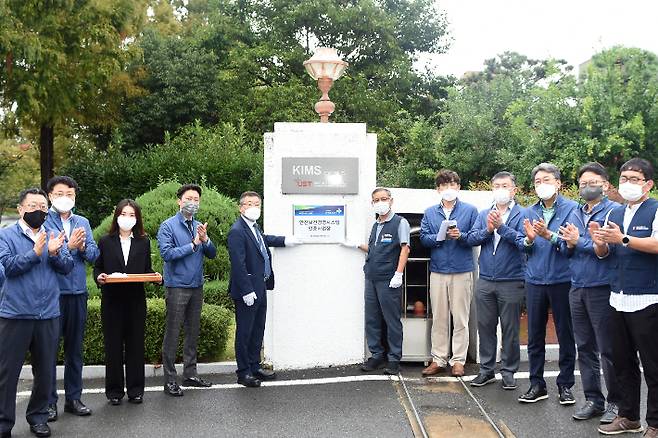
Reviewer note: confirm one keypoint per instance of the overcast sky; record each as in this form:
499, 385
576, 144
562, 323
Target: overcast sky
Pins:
565, 29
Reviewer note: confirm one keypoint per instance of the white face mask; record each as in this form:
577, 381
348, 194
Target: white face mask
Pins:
63, 204
501, 196
449, 194
631, 192
126, 223
545, 191
381, 207
252, 213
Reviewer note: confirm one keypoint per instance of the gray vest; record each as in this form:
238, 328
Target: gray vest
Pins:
383, 251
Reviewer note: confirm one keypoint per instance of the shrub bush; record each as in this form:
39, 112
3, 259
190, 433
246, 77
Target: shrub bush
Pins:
218, 154
215, 324
216, 292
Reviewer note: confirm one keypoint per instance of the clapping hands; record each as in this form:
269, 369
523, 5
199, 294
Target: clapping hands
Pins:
54, 243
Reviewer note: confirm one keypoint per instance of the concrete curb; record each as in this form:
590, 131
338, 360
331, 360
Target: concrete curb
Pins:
98, 371
228, 367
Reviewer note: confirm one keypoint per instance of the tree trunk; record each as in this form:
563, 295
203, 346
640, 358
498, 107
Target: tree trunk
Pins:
47, 153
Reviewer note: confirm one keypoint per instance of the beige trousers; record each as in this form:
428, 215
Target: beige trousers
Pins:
450, 295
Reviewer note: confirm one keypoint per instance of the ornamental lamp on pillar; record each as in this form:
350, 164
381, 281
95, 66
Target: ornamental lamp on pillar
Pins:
325, 66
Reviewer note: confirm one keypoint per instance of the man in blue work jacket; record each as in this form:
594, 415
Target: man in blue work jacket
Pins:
62, 191
29, 309
183, 243
451, 277
547, 283
630, 238
590, 295
499, 291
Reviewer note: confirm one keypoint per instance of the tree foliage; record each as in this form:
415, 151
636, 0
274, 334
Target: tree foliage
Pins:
519, 112
63, 62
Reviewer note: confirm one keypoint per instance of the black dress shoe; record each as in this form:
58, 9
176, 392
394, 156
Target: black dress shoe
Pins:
534, 394
566, 396
249, 381
136, 399
197, 382
587, 411
114, 401
373, 364
263, 374
52, 413
76, 407
392, 368
40, 429
173, 389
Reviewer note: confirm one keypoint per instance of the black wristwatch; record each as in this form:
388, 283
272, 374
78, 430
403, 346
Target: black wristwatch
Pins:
625, 240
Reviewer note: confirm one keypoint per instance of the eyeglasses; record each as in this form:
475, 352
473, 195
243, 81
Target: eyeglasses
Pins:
34, 206
61, 194
591, 183
251, 204
544, 180
632, 179
382, 199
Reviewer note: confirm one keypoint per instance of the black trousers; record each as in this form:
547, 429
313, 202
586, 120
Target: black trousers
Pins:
124, 318
17, 337
249, 332
634, 332
72, 321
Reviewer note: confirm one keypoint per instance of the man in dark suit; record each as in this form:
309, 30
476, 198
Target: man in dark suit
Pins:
251, 277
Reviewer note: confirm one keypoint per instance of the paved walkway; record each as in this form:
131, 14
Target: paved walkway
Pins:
336, 402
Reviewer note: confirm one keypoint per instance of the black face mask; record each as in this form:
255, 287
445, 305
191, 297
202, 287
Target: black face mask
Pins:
35, 218
591, 193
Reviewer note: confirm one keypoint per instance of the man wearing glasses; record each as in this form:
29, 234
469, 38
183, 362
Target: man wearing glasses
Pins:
444, 229
499, 291
630, 238
79, 240
590, 295
251, 278
547, 284
388, 250
29, 309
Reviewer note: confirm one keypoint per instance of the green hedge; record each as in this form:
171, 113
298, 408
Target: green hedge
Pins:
220, 155
216, 292
215, 325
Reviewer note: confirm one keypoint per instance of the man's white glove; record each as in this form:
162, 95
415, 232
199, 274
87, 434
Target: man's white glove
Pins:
396, 281
249, 299
348, 244
291, 241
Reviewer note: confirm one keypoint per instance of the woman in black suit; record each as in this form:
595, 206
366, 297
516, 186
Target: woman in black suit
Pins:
125, 249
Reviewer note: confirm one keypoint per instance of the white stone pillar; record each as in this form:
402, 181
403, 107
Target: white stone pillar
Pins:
315, 315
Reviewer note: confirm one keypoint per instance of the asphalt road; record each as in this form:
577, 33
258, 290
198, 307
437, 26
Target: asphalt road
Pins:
335, 402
